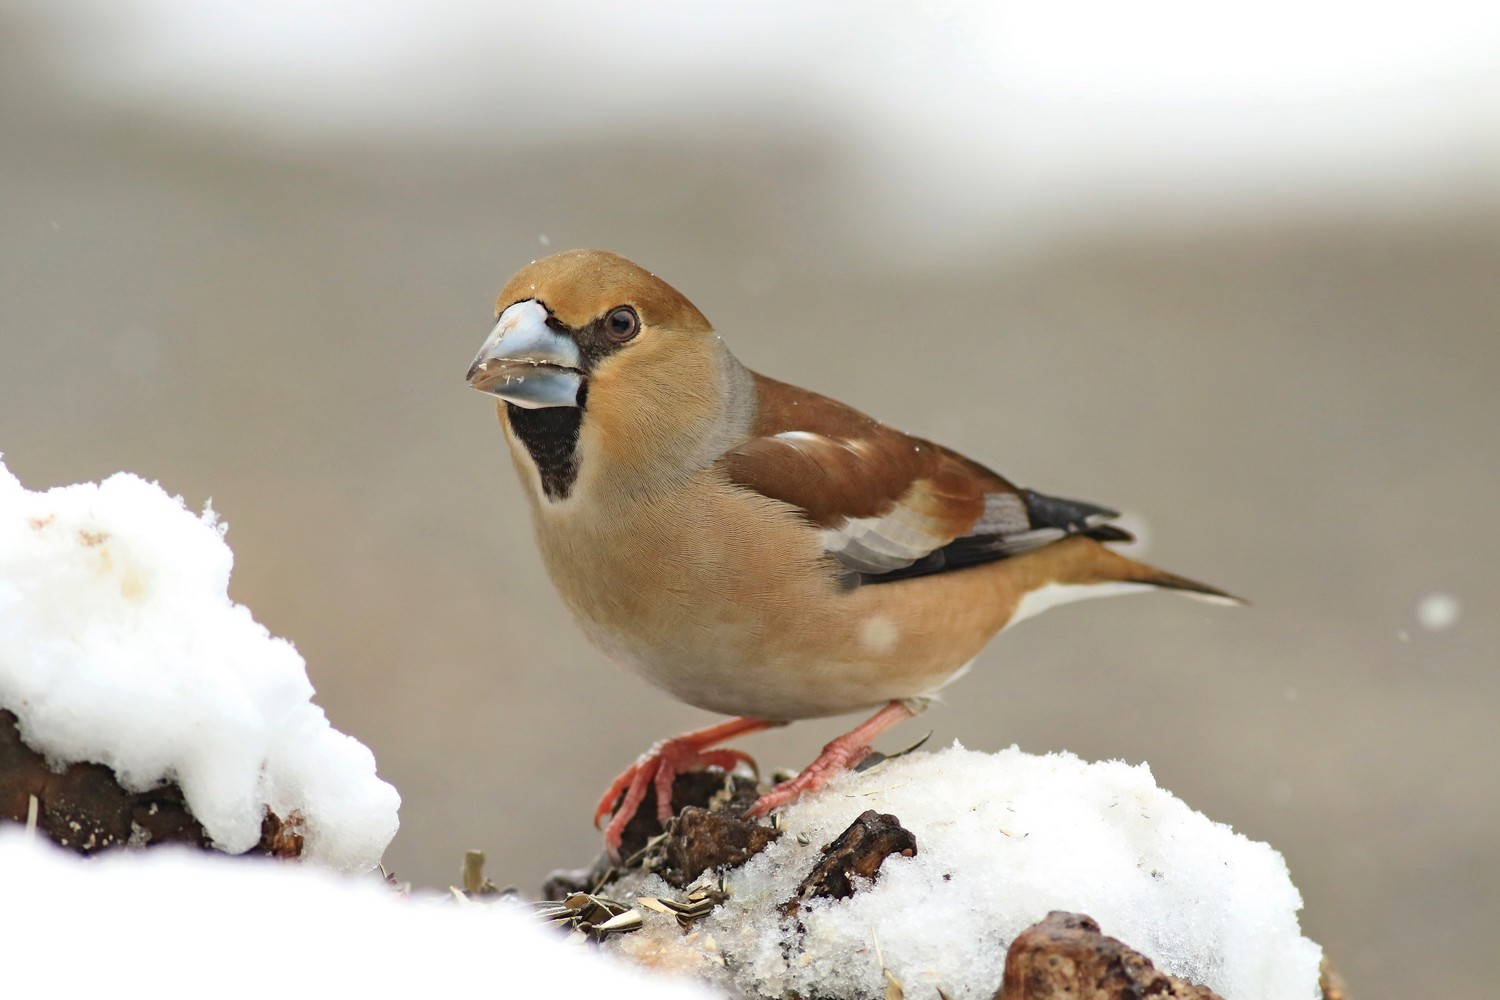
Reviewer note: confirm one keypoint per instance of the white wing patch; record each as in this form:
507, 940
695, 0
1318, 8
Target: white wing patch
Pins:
883, 544
1004, 514
901, 537
1008, 524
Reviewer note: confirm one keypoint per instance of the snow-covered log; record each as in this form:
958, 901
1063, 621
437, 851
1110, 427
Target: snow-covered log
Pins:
120, 648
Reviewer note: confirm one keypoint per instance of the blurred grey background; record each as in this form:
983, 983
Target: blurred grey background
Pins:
1236, 272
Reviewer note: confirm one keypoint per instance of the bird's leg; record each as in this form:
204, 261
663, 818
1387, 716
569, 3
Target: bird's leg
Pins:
840, 755
659, 767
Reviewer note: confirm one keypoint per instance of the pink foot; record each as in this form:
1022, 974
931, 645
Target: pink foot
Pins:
831, 761
840, 755
659, 767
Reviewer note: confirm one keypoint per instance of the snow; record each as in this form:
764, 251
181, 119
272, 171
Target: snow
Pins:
119, 645
1002, 839
170, 920
1438, 612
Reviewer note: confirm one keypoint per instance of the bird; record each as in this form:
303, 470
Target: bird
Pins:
754, 548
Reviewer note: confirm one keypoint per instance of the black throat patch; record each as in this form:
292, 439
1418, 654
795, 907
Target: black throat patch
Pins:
550, 435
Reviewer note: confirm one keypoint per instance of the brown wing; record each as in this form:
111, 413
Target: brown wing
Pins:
890, 505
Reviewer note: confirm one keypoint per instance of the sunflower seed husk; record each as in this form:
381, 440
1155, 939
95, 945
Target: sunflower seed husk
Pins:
876, 758
654, 904
628, 921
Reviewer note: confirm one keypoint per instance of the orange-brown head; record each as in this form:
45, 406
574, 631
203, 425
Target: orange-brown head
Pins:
597, 360
579, 286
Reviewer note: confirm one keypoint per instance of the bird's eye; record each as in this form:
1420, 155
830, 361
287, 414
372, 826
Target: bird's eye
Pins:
622, 324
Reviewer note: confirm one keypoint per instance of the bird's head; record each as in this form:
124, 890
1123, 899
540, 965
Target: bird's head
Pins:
580, 317
609, 373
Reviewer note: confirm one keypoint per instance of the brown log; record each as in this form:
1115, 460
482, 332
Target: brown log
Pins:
84, 808
1066, 956
726, 797
698, 841
858, 852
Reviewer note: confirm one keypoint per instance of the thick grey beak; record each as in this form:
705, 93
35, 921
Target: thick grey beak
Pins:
523, 361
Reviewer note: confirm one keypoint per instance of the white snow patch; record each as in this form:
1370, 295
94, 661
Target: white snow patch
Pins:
246, 927
1438, 612
119, 645
1002, 839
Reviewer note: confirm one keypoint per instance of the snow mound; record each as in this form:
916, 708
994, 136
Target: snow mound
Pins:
172, 919
119, 645
1002, 839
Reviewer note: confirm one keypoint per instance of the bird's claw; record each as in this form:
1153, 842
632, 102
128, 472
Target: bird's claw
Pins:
834, 759
658, 768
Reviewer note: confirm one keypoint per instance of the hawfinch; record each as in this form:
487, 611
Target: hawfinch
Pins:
754, 548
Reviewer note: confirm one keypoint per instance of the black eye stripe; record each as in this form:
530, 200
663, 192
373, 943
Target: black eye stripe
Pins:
596, 341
